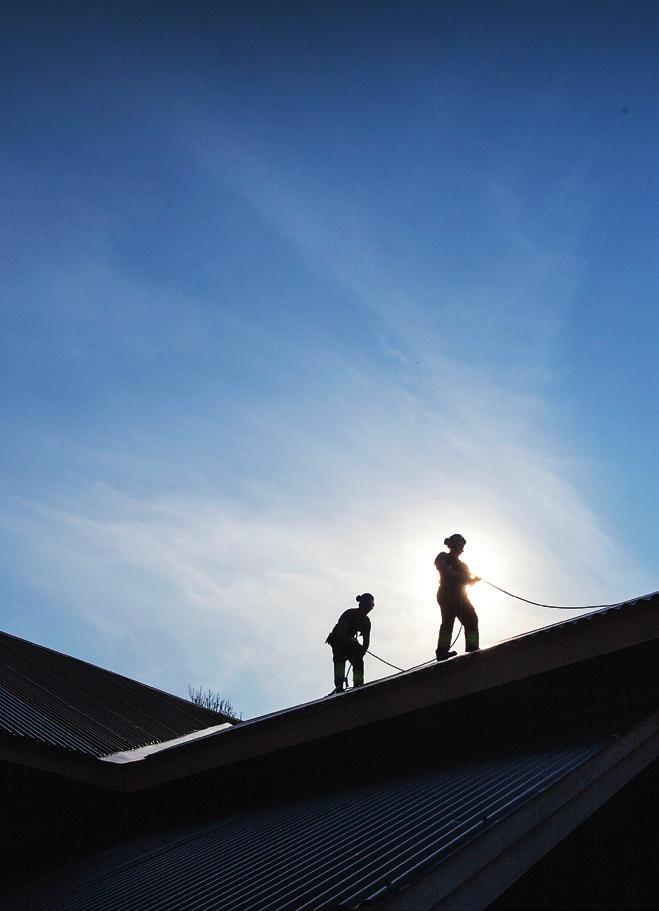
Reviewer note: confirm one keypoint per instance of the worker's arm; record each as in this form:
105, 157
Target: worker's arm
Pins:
366, 635
467, 576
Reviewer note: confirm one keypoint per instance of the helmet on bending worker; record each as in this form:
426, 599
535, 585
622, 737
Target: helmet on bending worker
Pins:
345, 644
454, 577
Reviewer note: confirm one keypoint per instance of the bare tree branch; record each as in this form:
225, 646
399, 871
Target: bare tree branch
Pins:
210, 699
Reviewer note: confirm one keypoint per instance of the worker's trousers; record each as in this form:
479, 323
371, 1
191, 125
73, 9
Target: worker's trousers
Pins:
457, 606
354, 655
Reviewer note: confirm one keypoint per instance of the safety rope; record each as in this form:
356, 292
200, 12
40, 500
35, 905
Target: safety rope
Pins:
395, 666
388, 663
551, 606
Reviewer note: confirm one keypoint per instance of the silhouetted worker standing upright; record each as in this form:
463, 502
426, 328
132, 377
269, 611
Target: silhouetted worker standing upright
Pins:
452, 598
346, 646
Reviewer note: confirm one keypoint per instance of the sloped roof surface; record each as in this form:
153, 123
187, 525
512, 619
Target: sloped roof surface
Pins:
595, 618
332, 851
52, 699
593, 614
557, 646
64, 702
353, 846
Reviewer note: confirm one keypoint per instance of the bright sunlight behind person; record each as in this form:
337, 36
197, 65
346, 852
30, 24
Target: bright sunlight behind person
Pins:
483, 555
485, 558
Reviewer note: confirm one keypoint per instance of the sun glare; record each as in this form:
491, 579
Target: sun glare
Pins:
483, 556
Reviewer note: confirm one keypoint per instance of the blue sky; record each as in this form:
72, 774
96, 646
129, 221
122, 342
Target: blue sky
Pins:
292, 291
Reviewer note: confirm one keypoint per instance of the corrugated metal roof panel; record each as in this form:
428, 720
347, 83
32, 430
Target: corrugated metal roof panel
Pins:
64, 702
325, 852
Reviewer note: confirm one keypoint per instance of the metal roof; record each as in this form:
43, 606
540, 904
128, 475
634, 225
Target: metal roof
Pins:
550, 648
550, 631
336, 850
64, 702
373, 841
593, 614
49, 698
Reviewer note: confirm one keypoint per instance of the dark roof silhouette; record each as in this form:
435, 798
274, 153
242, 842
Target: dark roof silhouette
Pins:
434, 788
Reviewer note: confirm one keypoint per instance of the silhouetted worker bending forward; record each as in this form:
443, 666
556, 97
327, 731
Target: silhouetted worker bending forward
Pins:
346, 646
452, 598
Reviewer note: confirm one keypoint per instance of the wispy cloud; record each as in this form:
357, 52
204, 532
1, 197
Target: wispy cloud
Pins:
354, 477
212, 592
506, 315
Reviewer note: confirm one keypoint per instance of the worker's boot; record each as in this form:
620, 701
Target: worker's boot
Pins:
340, 679
443, 654
444, 644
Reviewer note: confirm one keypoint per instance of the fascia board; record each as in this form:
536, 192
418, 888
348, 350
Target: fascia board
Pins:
45, 758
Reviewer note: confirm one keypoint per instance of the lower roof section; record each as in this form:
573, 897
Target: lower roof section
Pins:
453, 834
52, 702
